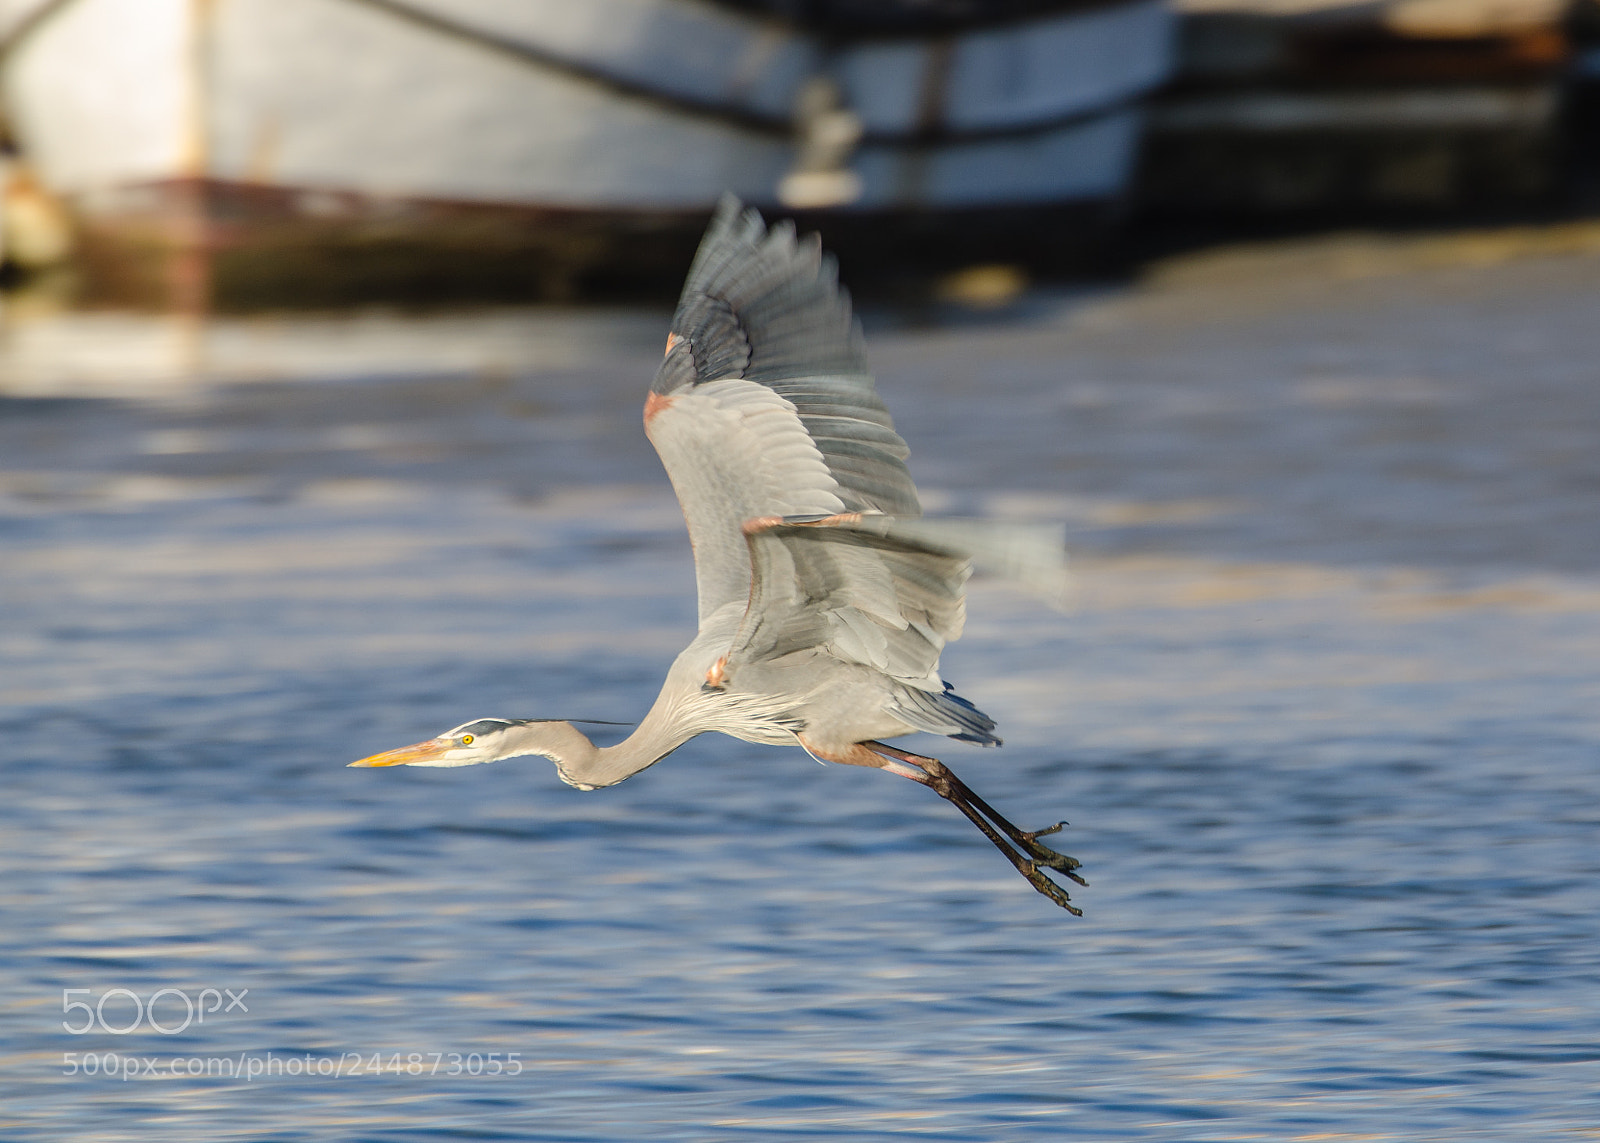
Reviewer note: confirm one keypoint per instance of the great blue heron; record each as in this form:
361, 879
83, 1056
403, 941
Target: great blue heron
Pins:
824, 598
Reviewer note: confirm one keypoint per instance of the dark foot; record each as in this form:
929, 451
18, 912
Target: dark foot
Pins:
1034, 855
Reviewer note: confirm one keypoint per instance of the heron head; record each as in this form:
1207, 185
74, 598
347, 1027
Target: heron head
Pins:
470, 744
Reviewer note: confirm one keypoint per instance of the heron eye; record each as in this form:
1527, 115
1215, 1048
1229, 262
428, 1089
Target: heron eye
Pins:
466, 740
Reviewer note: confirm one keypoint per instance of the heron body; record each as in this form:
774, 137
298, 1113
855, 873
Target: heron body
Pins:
825, 598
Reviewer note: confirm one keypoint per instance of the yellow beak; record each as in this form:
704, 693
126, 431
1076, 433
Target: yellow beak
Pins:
406, 755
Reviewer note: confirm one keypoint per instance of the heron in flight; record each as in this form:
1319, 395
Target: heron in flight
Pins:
825, 598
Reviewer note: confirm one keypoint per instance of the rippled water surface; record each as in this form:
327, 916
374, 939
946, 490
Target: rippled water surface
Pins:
1324, 715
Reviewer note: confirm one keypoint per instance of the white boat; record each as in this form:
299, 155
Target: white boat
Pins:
269, 128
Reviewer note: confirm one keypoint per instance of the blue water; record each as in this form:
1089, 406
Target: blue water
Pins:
1324, 713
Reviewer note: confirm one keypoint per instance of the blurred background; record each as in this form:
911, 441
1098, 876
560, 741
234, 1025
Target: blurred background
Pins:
245, 154
325, 332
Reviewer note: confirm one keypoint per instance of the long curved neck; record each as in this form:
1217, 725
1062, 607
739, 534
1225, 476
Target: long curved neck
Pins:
679, 713
579, 762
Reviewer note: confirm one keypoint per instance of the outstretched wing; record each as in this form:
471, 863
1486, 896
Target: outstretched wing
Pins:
855, 587
763, 405
873, 591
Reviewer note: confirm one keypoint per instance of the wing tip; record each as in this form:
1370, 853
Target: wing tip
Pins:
733, 224
734, 220
728, 206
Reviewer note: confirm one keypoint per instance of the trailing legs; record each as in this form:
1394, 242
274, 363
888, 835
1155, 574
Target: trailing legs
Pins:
1021, 847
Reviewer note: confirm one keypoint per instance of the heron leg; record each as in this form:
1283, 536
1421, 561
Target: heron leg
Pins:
1033, 854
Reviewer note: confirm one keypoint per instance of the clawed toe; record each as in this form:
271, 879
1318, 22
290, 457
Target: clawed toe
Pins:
1034, 857
1030, 870
1044, 855
1029, 857
1022, 848
1060, 862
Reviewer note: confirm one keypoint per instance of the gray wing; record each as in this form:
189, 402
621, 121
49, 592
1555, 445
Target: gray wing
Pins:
851, 586
763, 405
880, 592
866, 590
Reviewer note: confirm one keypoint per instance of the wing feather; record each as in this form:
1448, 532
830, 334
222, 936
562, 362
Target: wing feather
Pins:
763, 404
859, 590
735, 450
873, 591
793, 482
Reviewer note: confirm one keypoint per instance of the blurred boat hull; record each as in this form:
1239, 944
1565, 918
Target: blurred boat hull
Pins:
262, 150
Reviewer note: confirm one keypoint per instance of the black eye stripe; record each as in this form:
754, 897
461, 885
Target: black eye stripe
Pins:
481, 727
